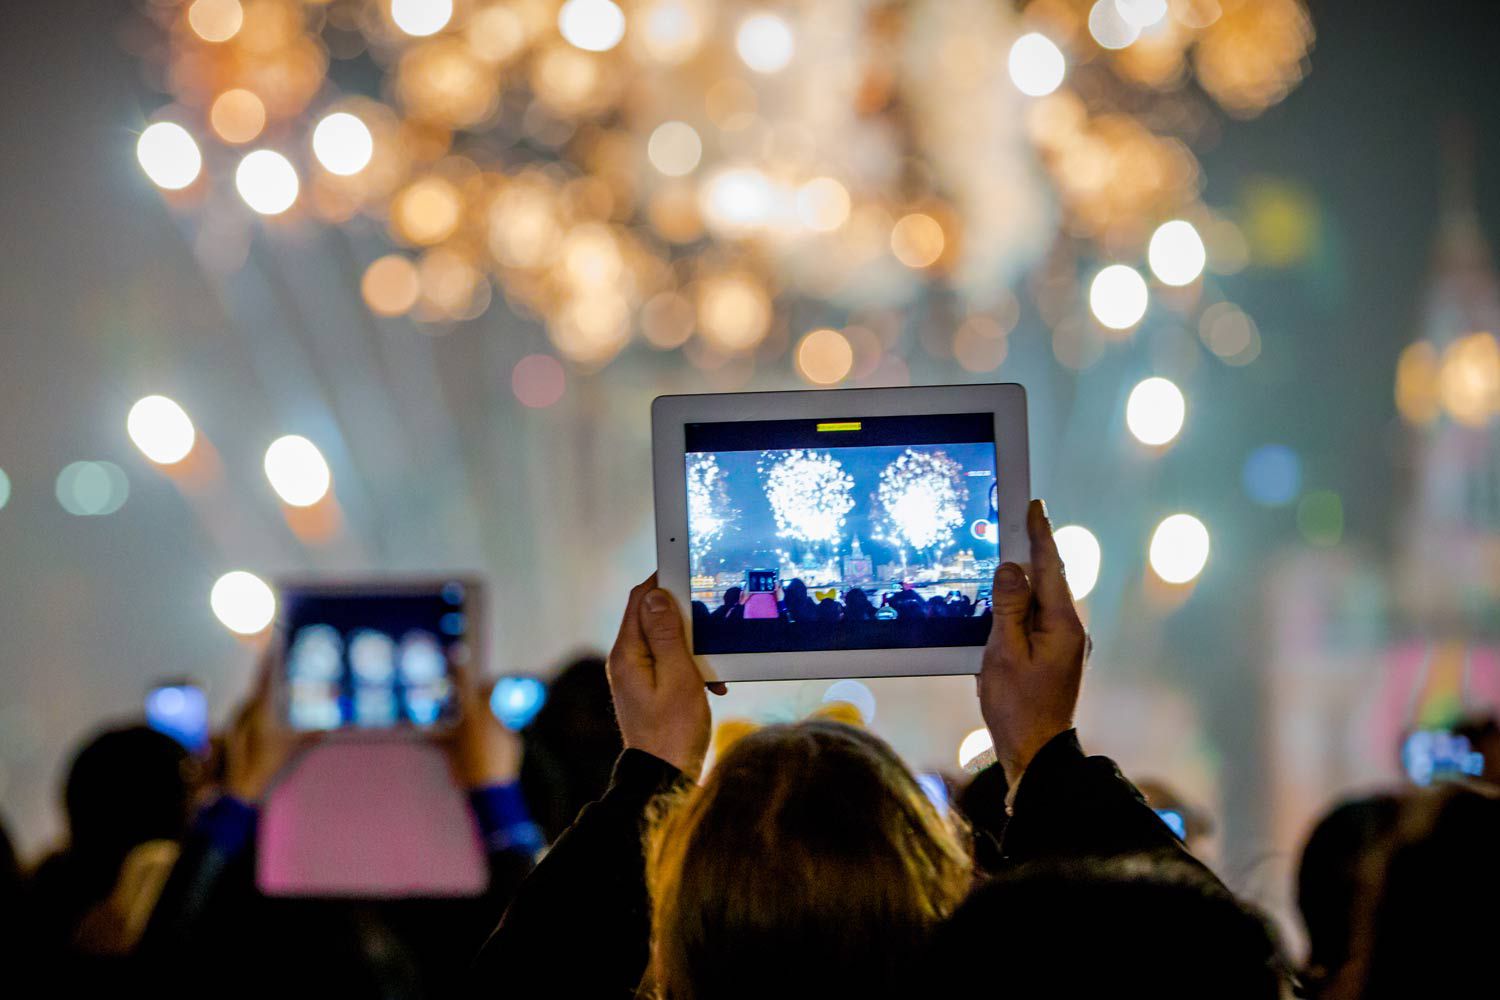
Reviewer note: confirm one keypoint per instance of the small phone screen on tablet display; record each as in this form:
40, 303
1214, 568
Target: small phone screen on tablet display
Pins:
380, 659
841, 533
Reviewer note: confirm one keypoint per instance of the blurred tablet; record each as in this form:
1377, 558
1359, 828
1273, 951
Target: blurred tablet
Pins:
848, 533
375, 655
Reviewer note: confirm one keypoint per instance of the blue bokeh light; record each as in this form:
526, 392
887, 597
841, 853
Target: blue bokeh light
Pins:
1272, 475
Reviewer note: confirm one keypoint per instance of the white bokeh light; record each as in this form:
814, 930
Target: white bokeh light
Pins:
853, 693
1081, 557
243, 602
420, 18
297, 470
1155, 411
267, 182
974, 744
674, 148
169, 156
343, 144
1118, 296
765, 43
161, 429
738, 198
1037, 66
1109, 28
1141, 13
591, 25
1177, 254
1179, 548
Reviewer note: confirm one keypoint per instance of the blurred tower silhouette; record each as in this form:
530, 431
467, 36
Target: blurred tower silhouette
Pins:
1447, 582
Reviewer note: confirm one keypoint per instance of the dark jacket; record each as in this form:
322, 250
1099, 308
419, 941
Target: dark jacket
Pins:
579, 926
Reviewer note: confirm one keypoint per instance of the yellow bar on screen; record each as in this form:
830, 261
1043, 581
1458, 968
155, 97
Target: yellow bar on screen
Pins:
847, 425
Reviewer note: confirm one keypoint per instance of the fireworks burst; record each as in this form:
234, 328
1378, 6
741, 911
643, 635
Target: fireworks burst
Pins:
922, 496
709, 510
809, 492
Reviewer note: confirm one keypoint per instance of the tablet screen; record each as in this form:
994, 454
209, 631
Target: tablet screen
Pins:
376, 659
846, 533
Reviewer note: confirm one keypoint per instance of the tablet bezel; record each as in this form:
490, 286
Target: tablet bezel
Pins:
671, 414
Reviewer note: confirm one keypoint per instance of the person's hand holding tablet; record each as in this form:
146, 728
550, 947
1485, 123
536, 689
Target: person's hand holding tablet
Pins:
1033, 664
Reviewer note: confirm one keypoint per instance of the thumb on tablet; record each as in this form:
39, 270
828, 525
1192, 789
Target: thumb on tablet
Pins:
662, 624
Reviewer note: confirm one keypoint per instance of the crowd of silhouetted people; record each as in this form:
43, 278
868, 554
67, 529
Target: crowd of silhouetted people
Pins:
795, 602
805, 860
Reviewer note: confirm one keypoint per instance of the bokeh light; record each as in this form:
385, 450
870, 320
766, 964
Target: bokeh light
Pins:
1469, 379
671, 30
1036, 64
822, 204
1320, 518
243, 602
1179, 548
1176, 254
92, 489
853, 693
216, 20
975, 743
169, 156
161, 429
674, 148
1081, 557
917, 240
1109, 28
1272, 475
343, 144
1417, 396
734, 312
1142, 13
297, 470
824, 357
427, 211
538, 380
237, 116
1118, 296
390, 285
737, 199
1155, 411
765, 42
420, 18
591, 25
1230, 333
267, 182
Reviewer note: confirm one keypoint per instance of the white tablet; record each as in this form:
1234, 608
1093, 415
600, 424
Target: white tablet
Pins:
842, 533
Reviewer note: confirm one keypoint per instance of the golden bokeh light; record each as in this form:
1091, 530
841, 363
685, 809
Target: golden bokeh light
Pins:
390, 285
496, 34
1469, 379
450, 284
427, 211
980, 345
823, 204
590, 257
524, 229
734, 311
824, 357
444, 82
674, 148
673, 212
215, 20
917, 240
237, 116
671, 31
667, 320
1417, 396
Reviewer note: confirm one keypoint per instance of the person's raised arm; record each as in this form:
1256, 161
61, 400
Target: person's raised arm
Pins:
580, 923
1058, 801
257, 748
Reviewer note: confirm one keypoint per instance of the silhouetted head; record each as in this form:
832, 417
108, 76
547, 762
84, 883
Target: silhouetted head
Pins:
732, 596
808, 864
1328, 878
829, 610
1428, 920
1120, 927
571, 746
125, 787
855, 597
795, 591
